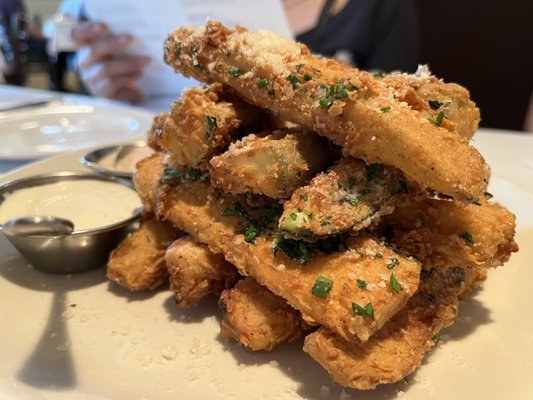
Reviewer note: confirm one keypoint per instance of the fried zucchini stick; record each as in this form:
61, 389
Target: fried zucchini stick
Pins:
274, 164
358, 112
347, 308
350, 195
256, 317
440, 233
195, 272
431, 95
156, 130
138, 263
399, 347
203, 122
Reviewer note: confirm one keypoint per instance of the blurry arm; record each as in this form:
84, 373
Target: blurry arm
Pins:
105, 68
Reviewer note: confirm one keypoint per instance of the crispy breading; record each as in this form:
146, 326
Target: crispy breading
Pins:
156, 130
195, 208
440, 233
148, 172
349, 195
431, 95
196, 272
274, 163
256, 317
352, 108
398, 348
203, 122
138, 263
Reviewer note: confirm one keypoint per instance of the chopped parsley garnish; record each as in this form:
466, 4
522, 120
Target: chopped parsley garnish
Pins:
385, 109
487, 195
234, 71
372, 171
434, 104
394, 284
322, 287
303, 197
299, 249
234, 209
194, 49
393, 262
293, 216
211, 126
378, 255
191, 174
325, 102
361, 283
261, 83
365, 312
437, 121
295, 249
367, 95
251, 232
298, 67
338, 91
293, 80
73, 305
435, 337
307, 78
178, 48
467, 236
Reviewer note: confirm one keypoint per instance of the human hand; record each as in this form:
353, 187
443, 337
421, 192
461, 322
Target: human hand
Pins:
104, 66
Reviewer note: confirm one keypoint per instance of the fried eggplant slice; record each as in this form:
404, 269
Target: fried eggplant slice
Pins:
256, 317
349, 195
290, 269
138, 263
440, 233
398, 348
203, 122
273, 164
352, 108
195, 272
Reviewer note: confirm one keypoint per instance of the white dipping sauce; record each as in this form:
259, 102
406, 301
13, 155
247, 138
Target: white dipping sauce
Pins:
89, 203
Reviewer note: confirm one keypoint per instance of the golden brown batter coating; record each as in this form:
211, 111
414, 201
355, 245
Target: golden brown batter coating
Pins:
274, 163
203, 122
196, 272
441, 233
256, 317
138, 263
399, 347
352, 108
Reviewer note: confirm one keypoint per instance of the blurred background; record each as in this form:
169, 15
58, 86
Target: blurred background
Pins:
486, 46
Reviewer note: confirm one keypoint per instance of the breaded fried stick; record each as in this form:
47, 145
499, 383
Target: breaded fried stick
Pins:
256, 317
439, 233
196, 272
203, 122
431, 95
274, 163
352, 108
349, 195
138, 263
399, 347
156, 130
323, 287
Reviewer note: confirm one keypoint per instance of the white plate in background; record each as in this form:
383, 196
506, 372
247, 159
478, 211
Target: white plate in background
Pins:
81, 337
35, 132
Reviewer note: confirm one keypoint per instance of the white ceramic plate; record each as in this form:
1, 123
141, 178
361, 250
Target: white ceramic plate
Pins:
35, 132
65, 337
